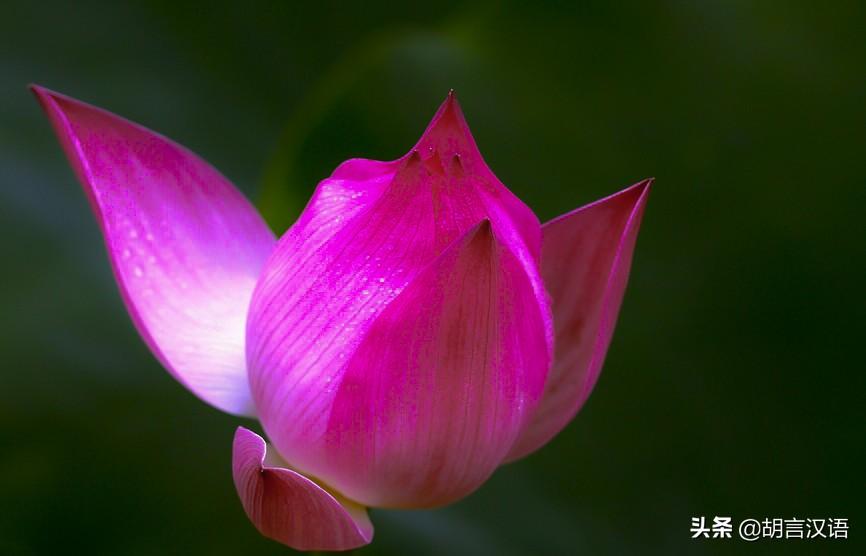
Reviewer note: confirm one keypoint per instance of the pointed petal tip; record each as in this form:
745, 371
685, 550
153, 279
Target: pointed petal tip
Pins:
643, 187
290, 508
451, 103
410, 167
639, 187
39, 90
45, 95
646, 184
447, 116
480, 239
640, 190
636, 194
483, 227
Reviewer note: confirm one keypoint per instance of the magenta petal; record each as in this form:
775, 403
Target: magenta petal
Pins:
185, 246
438, 389
371, 230
586, 257
290, 508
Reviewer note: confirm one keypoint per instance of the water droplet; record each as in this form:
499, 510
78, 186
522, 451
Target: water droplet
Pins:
138, 271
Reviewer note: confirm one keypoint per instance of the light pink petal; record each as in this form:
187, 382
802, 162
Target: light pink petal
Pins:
185, 246
367, 234
289, 508
586, 257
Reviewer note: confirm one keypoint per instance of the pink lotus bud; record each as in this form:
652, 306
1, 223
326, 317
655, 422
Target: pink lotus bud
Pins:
397, 343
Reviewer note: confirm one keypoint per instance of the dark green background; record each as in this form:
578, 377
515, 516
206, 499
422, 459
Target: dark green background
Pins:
734, 385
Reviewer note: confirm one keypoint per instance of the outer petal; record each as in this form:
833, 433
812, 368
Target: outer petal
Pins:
586, 257
185, 246
442, 383
290, 508
329, 280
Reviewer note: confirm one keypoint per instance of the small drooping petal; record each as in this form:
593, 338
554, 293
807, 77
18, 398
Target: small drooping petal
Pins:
585, 261
185, 246
371, 229
290, 508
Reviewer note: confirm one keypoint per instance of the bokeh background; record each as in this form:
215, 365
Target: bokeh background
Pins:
734, 385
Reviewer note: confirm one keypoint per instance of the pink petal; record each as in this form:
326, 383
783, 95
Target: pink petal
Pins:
442, 383
185, 246
368, 233
586, 257
289, 508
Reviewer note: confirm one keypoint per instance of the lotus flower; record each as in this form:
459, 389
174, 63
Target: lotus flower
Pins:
415, 329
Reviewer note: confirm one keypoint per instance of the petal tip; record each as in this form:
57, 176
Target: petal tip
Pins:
483, 229
50, 99
639, 187
45, 97
646, 184
35, 88
447, 120
38, 90
451, 103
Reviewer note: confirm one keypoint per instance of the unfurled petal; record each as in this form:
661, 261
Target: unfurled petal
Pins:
290, 508
586, 257
185, 246
370, 231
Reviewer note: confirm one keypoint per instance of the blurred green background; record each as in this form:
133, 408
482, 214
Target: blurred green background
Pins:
734, 385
